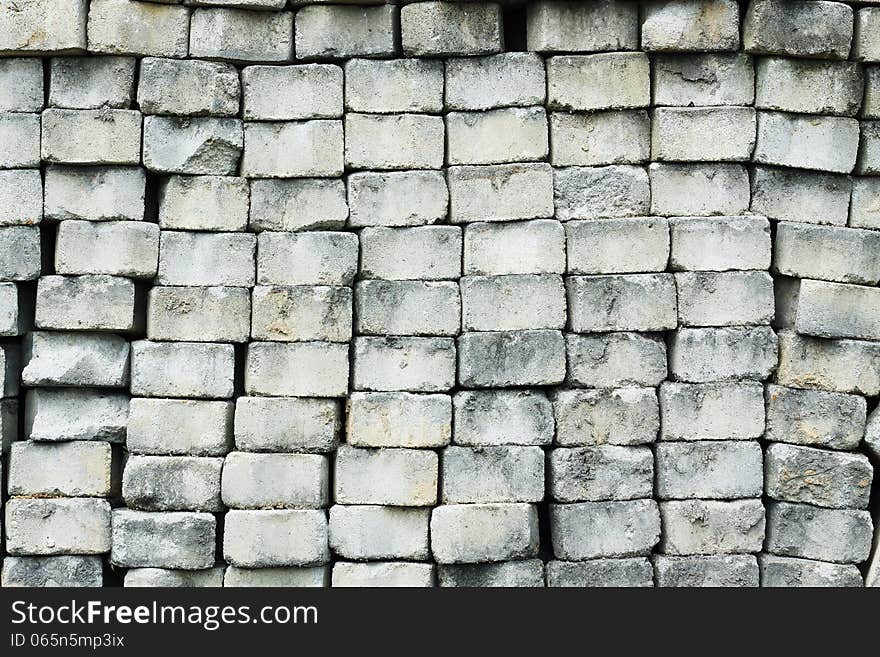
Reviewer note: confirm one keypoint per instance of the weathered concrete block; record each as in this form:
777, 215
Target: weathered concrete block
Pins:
44, 26
623, 416
218, 203
95, 193
491, 474
865, 209
712, 527
21, 85
103, 136
395, 477
553, 26
20, 140
200, 145
181, 427
257, 539
287, 93
814, 418
601, 192
502, 417
379, 532
707, 571
136, 28
20, 253
808, 87
827, 143
635, 302
501, 192
272, 481
497, 136
437, 29
293, 149
612, 246
598, 82
167, 577
719, 244
301, 313
57, 526
812, 28
287, 425
321, 369
10, 370
20, 194
600, 138
407, 308
866, 44
396, 141
592, 530
495, 303
869, 148
177, 540
16, 310
711, 411
408, 364
423, 253
397, 198
521, 574
397, 85
205, 259
633, 572
182, 369
695, 190
59, 415
871, 99
86, 303
383, 574
787, 572
241, 35
593, 474
687, 25
398, 419
510, 79
318, 258
611, 360
827, 253
91, 82
316, 576
832, 365
803, 196
698, 355
74, 469
476, 533
188, 88
113, 248
529, 247
152, 483
9, 432
700, 80
724, 298
297, 204
511, 358
837, 310
340, 32
700, 134
818, 477
872, 435
198, 314
727, 469
75, 359
46, 572
808, 532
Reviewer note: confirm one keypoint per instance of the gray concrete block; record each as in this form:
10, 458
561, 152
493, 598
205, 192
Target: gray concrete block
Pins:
502, 417
695, 527
287, 424
611, 360
180, 427
36, 527
75, 414
808, 532
393, 477
511, 358
272, 481
632, 572
259, 539
152, 483
728, 571
815, 476
322, 369
726, 469
722, 354
379, 532
177, 539
398, 419
592, 530
711, 411
594, 474
477, 533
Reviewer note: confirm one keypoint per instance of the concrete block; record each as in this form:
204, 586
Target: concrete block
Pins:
633, 572
122, 27
287, 424
827, 143
91, 82
869, 148
199, 145
205, 259
182, 369
398, 419
701, 80
601, 192
617, 246
315, 576
808, 87
395, 141
699, 355
16, 310
241, 35
86, 303
715, 470
511, 358
94, 193
188, 87
496, 303
502, 417
409, 364
103, 136
711, 411
497, 136
300, 313
509, 79
553, 26
171, 578
529, 247
787, 572
113, 248
527, 573
21, 84
51, 572
340, 32
819, 477
394, 477
866, 45
293, 149
598, 82
728, 571
831, 365
318, 258
477, 533
383, 574
379, 532
297, 204
75, 414
700, 134
396, 85
837, 310
805, 28
613, 360
216, 203
691, 25
407, 308
75, 359
439, 29
592, 530
595, 474
289, 93
865, 209
44, 26
20, 140
422, 253
803, 196
724, 298
719, 244
321, 369
20, 255
57, 526
491, 474
829, 253
259, 539
152, 483
180, 427
21, 191
502, 192
178, 540
74, 469
272, 481
808, 532
635, 302
621, 416
397, 198
695, 190
600, 138
693, 527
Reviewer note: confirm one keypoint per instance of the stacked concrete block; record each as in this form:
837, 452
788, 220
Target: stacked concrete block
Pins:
358, 293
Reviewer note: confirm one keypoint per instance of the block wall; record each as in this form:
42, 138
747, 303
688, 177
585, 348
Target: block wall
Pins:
439, 293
